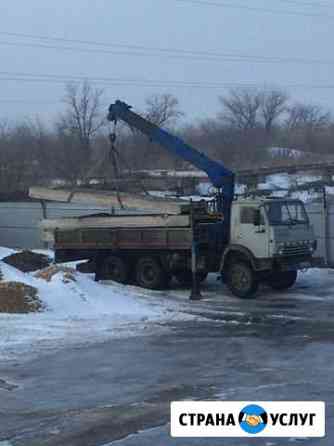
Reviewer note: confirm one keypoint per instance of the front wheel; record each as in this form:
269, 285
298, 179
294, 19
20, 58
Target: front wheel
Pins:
282, 280
242, 280
116, 269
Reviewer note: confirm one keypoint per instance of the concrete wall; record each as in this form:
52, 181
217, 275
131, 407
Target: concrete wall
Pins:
19, 221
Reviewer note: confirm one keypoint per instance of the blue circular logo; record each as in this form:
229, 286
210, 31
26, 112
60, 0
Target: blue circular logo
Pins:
253, 419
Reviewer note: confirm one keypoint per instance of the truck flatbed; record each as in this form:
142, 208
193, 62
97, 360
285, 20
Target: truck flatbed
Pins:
49, 227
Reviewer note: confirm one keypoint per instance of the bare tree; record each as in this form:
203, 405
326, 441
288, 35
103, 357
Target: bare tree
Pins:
4, 129
18, 161
163, 109
312, 117
308, 127
139, 153
273, 106
82, 121
241, 108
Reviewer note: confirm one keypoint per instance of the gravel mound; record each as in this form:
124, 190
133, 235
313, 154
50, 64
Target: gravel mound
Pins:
17, 297
28, 261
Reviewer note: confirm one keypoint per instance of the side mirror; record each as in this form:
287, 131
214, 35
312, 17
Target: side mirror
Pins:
257, 218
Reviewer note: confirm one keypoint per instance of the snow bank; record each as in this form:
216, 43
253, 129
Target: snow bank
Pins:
78, 311
280, 184
4, 252
318, 278
83, 298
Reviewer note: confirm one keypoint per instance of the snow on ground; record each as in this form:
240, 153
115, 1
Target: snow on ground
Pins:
83, 311
306, 196
278, 184
285, 152
317, 279
79, 312
278, 181
161, 194
4, 252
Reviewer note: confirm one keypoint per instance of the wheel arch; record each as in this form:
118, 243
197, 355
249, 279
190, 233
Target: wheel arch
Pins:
238, 252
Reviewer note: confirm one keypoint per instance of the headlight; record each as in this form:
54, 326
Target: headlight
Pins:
280, 248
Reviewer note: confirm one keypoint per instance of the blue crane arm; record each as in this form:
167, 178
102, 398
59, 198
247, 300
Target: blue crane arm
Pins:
220, 177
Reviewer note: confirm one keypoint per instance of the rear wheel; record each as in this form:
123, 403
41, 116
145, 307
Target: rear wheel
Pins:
282, 280
115, 268
151, 274
185, 278
242, 280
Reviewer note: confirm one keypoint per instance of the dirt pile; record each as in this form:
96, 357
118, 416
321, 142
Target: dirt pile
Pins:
16, 297
28, 261
48, 273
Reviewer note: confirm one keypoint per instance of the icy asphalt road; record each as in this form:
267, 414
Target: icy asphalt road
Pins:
278, 347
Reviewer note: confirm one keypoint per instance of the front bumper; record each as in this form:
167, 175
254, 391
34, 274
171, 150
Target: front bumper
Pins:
297, 263
289, 263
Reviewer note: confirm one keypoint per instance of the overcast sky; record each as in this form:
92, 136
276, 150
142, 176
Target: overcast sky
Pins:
162, 24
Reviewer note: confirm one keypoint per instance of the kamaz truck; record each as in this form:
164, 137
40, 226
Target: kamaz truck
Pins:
244, 241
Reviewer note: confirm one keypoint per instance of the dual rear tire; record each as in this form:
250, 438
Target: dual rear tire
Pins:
147, 272
151, 274
116, 269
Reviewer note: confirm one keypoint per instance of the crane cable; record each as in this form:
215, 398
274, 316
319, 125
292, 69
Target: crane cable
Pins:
113, 157
119, 159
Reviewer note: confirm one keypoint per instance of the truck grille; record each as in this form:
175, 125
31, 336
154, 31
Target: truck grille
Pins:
296, 251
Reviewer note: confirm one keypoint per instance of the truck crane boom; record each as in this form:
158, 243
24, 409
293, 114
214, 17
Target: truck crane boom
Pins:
221, 178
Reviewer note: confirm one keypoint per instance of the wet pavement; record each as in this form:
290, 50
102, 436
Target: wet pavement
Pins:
277, 347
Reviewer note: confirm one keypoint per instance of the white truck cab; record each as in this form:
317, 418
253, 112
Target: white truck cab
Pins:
270, 240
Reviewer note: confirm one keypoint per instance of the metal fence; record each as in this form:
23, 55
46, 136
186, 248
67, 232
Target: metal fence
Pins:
322, 219
19, 223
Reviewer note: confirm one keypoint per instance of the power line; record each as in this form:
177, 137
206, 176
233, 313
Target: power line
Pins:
310, 4
27, 101
224, 4
183, 54
136, 82
108, 45
121, 81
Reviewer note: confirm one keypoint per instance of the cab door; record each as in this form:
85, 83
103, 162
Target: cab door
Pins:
252, 231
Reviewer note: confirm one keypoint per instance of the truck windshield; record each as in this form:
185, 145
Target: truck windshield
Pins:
286, 213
